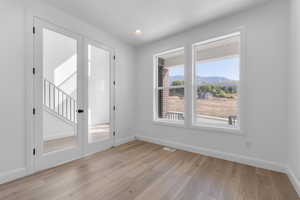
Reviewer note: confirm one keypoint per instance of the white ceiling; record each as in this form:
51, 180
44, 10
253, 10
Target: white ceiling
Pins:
156, 18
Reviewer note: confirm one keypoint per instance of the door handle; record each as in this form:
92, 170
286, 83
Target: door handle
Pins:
80, 110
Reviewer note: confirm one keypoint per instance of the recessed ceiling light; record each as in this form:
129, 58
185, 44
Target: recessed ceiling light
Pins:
138, 32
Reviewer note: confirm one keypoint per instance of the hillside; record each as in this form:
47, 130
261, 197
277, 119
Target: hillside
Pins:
214, 80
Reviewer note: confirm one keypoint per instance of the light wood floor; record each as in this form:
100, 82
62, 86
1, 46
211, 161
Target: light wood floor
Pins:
144, 171
96, 133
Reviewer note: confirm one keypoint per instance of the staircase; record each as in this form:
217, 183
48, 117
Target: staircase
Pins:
58, 103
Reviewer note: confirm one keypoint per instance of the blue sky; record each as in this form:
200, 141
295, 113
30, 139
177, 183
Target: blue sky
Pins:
228, 68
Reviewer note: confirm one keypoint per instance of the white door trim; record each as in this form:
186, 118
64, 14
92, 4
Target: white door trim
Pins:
30, 14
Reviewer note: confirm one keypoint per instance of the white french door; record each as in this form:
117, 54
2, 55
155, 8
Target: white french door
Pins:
99, 97
74, 94
58, 95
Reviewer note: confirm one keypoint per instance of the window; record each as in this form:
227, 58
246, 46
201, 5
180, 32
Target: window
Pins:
169, 86
216, 81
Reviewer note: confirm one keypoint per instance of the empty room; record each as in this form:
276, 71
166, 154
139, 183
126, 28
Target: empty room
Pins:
150, 100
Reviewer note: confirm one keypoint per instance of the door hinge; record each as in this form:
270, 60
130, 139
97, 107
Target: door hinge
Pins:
114, 57
33, 70
33, 30
34, 151
114, 82
114, 133
33, 111
114, 108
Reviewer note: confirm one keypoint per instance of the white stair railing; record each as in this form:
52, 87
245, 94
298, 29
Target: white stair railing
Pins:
59, 102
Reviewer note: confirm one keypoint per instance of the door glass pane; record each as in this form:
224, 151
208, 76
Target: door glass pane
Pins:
99, 94
59, 91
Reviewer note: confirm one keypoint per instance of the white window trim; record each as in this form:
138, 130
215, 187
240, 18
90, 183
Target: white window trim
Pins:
156, 88
189, 85
241, 88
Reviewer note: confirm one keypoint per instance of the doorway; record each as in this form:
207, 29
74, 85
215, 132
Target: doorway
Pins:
73, 96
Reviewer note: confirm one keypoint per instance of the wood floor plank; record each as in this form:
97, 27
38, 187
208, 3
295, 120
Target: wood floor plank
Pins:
265, 187
144, 171
247, 189
231, 186
132, 177
113, 175
164, 183
198, 186
282, 187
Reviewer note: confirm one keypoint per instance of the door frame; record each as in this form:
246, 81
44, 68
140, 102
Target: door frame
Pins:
48, 160
30, 15
90, 148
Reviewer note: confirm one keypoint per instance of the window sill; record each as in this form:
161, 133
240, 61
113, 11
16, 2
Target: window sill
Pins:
169, 123
234, 131
214, 129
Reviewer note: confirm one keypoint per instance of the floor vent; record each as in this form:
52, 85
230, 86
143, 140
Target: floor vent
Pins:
169, 149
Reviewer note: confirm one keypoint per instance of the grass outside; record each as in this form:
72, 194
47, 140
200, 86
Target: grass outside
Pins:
215, 107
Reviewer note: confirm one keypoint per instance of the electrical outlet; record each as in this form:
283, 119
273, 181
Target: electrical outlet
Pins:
248, 144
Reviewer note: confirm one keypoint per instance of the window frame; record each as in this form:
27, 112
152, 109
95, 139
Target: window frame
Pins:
156, 88
241, 86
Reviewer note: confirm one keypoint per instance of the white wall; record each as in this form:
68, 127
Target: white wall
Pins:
294, 94
12, 123
59, 56
15, 18
265, 141
60, 61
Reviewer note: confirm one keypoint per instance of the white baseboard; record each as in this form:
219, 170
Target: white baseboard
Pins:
124, 140
217, 154
12, 175
294, 180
